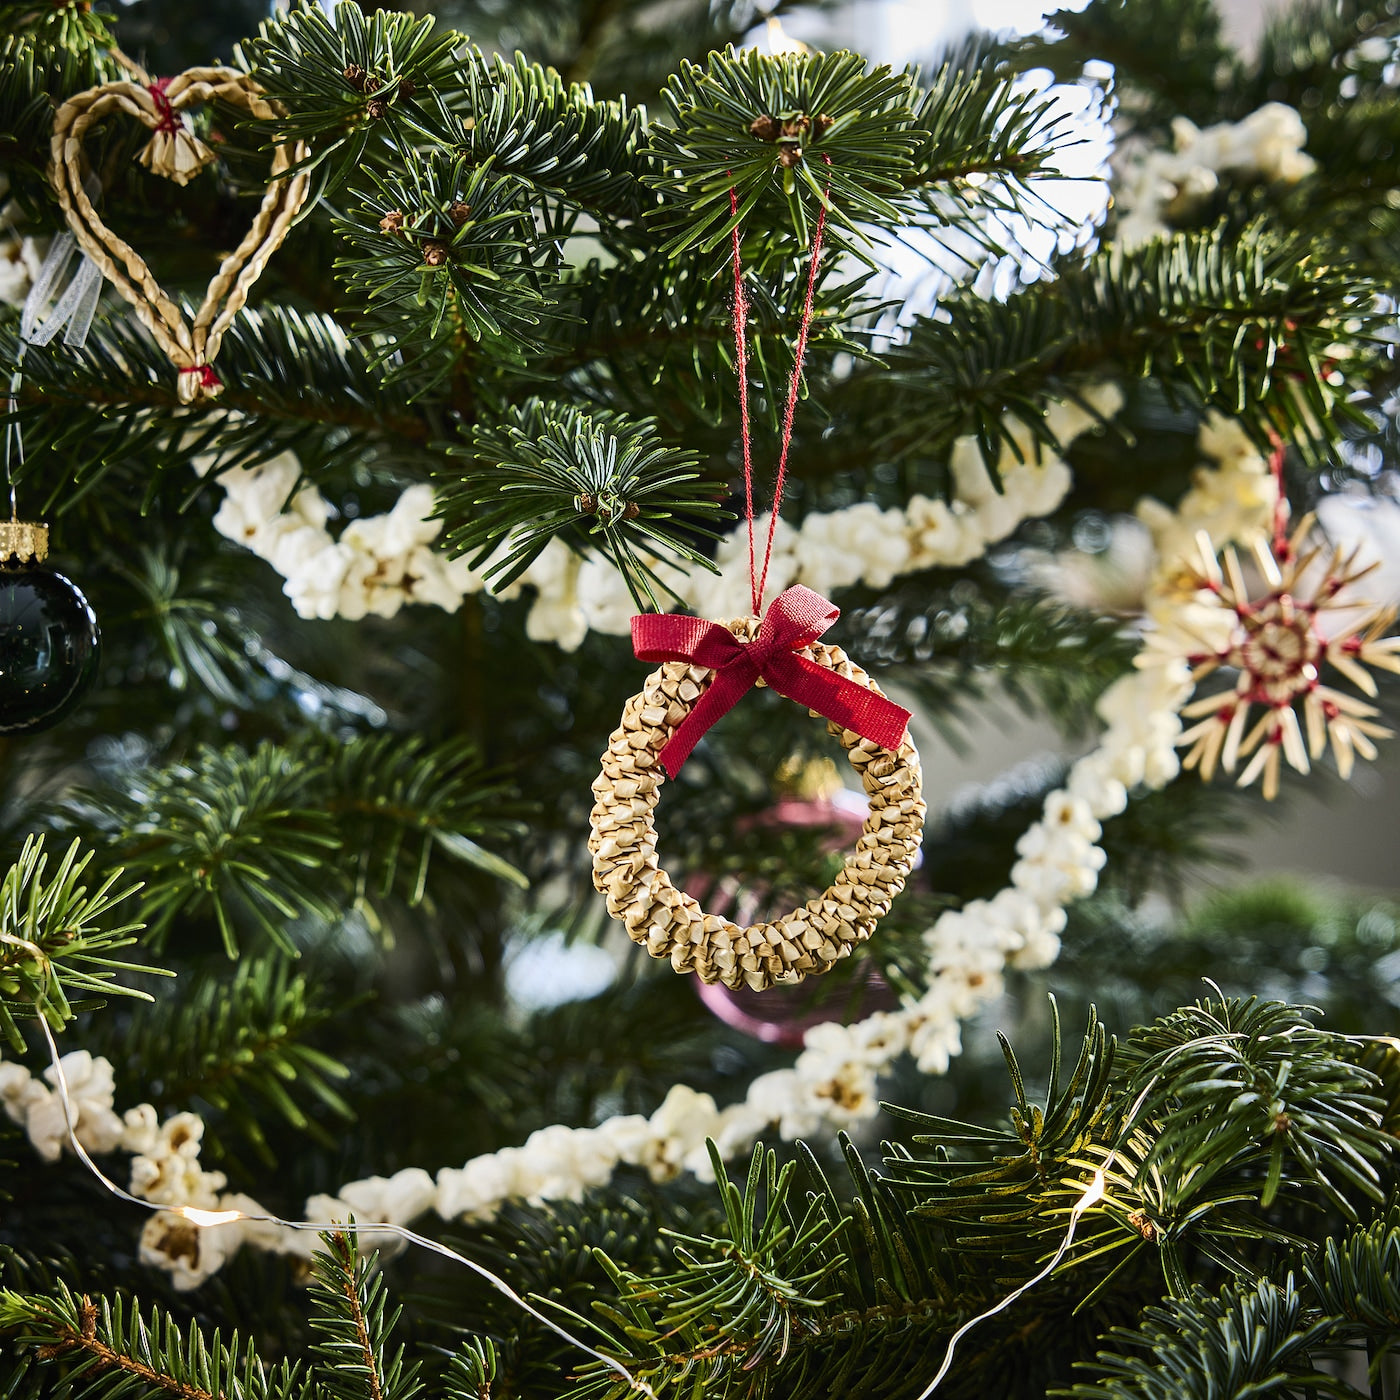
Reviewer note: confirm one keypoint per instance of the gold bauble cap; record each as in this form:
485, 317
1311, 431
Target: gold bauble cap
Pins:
23, 540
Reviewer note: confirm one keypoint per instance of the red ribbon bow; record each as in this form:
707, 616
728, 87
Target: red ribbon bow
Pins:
794, 619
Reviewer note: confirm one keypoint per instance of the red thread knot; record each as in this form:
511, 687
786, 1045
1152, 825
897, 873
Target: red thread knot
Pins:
164, 109
758, 652
208, 379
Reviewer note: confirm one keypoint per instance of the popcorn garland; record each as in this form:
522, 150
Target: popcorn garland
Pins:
833, 1082
21, 256
381, 562
1160, 187
378, 564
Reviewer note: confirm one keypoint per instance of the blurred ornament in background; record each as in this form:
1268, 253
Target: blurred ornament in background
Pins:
783, 1015
1107, 570
1370, 525
49, 640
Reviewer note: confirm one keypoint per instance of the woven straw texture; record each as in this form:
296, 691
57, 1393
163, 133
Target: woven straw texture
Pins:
191, 346
668, 921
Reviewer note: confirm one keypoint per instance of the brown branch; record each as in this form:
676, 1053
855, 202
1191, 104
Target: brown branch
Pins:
590, 40
85, 1339
834, 1327
136, 396
357, 1314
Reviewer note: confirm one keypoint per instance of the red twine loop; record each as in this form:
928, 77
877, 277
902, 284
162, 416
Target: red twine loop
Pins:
1281, 544
759, 578
208, 379
795, 619
168, 120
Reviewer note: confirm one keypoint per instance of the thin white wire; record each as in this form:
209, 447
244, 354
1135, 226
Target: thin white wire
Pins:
1093, 1193
399, 1231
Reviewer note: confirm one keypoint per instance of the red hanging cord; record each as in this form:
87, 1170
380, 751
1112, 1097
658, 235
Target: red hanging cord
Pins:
741, 364
1281, 546
758, 579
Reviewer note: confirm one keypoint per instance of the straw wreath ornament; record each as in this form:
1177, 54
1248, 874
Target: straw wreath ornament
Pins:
668, 921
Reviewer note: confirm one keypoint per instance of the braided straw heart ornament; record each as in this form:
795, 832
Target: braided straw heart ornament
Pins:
175, 152
667, 921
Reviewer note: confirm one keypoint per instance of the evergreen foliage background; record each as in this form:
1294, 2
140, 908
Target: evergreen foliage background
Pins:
342, 832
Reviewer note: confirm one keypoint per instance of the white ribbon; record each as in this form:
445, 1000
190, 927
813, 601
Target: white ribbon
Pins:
74, 305
73, 308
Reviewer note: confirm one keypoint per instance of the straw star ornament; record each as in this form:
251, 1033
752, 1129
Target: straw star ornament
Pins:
1279, 637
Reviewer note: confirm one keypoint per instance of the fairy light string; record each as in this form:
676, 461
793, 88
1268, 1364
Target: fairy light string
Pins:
208, 1218
1093, 1194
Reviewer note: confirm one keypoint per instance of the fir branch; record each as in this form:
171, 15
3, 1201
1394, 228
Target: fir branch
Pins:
1219, 1122
471, 1371
55, 941
201, 642
228, 832
850, 146
597, 478
976, 125
107, 1351
526, 122
34, 68
386, 791
1003, 1190
1278, 1095
293, 372
349, 1297
1240, 324
239, 1044
66, 27
445, 253
646, 321
21, 1378
351, 82
739, 1300
371, 93
1253, 1339
952, 645
297, 831
1356, 1276
292, 380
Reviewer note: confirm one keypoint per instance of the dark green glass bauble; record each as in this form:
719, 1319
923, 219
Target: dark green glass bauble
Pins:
49, 646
